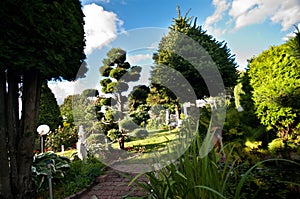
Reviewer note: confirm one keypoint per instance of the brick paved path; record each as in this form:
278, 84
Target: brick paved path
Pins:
112, 185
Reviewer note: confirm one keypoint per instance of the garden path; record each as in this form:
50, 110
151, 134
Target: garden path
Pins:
111, 185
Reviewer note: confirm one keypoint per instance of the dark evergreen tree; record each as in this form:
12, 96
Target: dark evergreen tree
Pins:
49, 112
187, 49
137, 105
66, 110
40, 40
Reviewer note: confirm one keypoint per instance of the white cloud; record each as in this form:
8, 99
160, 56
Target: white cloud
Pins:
221, 7
248, 12
101, 27
65, 88
289, 14
210, 22
243, 13
291, 34
239, 7
84, 2
134, 59
61, 90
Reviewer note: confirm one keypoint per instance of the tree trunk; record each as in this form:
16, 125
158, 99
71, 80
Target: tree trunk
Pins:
13, 126
30, 106
120, 105
5, 191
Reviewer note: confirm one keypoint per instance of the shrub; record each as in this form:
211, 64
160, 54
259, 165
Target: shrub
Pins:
66, 136
80, 175
140, 133
206, 177
57, 167
94, 139
128, 124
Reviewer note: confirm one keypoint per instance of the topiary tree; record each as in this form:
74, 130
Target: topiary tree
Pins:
117, 74
113, 134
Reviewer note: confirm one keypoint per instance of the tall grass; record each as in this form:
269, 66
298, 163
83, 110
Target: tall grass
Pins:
198, 176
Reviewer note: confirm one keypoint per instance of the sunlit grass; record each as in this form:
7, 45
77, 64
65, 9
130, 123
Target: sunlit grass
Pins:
159, 144
68, 153
156, 140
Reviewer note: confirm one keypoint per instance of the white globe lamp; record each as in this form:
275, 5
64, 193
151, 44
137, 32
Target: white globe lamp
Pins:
43, 130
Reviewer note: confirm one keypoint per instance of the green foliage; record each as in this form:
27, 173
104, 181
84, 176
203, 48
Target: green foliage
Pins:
137, 104
234, 129
105, 101
57, 168
49, 112
80, 175
113, 134
138, 97
51, 32
139, 133
156, 123
219, 52
118, 74
119, 70
275, 78
66, 110
115, 56
128, 125
67, 136
294, 43
40, 40
237, 94
205, 177
141, 114
189, 177
90, 93
85, 110
97, 145
93, 139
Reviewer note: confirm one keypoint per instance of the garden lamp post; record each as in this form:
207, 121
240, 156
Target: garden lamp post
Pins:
43, 130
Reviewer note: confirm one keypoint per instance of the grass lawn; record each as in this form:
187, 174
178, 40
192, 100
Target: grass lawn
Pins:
68, 153
156, 140
158, 145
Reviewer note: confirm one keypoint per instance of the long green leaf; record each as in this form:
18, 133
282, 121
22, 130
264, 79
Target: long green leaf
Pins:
210, 189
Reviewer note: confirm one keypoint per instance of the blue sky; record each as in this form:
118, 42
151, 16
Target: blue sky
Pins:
247, 26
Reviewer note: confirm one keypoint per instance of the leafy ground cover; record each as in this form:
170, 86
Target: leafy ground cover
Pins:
69, 174
245, 174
